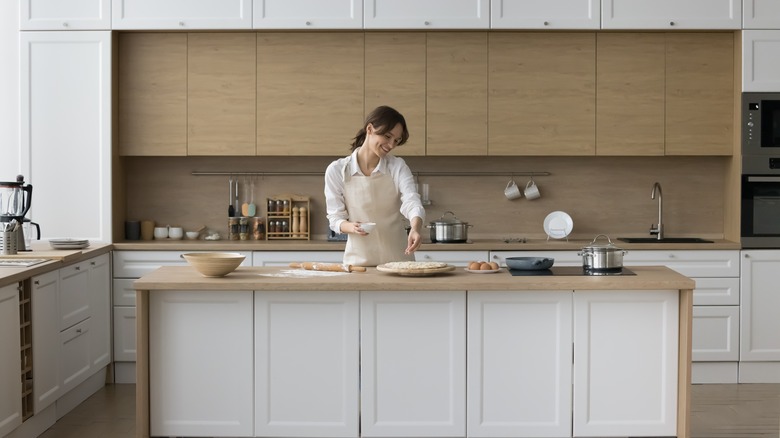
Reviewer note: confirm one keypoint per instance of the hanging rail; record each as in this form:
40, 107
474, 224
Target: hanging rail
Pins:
416, 174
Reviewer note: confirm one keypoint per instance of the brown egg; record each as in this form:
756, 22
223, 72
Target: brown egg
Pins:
494, 265
474, 266
485, 266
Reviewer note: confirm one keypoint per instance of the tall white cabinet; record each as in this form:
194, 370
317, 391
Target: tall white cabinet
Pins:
66, 131
759, 340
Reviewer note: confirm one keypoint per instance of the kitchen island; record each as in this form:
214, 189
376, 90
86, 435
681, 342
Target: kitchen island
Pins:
267, 351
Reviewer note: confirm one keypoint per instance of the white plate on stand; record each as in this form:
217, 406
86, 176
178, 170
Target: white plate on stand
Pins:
558, 225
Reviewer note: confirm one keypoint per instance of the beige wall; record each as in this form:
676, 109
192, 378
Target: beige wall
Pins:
602, 194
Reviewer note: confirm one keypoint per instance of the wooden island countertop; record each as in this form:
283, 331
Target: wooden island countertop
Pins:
282, 279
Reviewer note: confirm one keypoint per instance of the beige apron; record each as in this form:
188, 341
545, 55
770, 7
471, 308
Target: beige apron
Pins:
374, 198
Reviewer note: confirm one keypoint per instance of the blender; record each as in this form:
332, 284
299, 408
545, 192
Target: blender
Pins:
15, 198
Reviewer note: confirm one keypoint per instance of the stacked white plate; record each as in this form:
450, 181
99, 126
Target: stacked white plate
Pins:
68, 243
558, 224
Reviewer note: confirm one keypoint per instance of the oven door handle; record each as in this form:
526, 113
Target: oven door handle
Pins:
763, 179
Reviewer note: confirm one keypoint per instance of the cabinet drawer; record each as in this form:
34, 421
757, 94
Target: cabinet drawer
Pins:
715, 333
124, 294
75, 360
689, 263
124, 334
74, 294
716, 292
135, 264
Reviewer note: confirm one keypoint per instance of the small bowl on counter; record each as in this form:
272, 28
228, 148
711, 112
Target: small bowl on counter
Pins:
193, 235
214, 264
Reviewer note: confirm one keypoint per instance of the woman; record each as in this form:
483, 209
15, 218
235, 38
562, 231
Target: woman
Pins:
370, 185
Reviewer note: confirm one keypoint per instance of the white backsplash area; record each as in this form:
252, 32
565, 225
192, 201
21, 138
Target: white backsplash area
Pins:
602, 194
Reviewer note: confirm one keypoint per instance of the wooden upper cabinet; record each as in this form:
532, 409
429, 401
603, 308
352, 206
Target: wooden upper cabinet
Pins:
152, 94
700, 94
457, 107
395, 76
309, 92
630, 94
542, 93
221, 88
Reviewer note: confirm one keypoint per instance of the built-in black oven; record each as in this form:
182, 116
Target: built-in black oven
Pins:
760, 210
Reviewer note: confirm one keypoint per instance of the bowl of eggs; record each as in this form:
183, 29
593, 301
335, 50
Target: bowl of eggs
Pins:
482, 267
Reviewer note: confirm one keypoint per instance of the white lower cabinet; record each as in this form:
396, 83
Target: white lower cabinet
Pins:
74, 354
306, 364
413, 364
716, 333
46, 340
759, 340
519, 364
10, 359
625, 343
201, 340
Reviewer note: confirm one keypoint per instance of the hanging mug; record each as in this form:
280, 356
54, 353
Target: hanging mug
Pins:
512, 191
532, 190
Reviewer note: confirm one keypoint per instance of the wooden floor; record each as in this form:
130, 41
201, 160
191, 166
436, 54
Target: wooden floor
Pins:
718, 411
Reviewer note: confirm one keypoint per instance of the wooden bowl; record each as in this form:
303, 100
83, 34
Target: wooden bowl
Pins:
214, 264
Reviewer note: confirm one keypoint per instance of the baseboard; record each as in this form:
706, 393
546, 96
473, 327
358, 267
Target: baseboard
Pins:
77, 395
714, 372
124, 372
759, 372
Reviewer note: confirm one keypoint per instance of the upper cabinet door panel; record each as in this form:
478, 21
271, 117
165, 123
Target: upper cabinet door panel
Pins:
65, 15
671, 14
761, 60
427, 14
181, 14
760, 14
307, 14
545, 14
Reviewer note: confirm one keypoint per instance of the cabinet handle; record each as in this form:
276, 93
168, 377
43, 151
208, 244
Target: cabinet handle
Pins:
64, 24
37, 283
671, 23
92, 263
546, 23
427, 23
181, 23
308, 23
78, 330
747, 256
78, 268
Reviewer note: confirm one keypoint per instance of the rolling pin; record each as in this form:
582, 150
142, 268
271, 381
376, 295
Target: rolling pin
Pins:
335, 267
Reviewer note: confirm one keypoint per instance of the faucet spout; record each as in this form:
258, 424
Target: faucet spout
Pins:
659, 228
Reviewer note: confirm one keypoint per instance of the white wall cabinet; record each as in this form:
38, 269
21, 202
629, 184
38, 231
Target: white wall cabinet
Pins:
65, 15
66, 101
671, 14
545, 14
761, 60
759, 343
413, 364
307, 14
611, 365
181, 14
307, 364
11, 395
760, 14
46, 340
426, 14
182, 362
519, 364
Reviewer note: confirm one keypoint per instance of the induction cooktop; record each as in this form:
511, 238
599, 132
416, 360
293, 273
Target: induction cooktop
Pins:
568, 271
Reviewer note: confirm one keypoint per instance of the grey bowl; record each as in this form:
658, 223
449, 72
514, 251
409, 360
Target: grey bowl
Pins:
529, 263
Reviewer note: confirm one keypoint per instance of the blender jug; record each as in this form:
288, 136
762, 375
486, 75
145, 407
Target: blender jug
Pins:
15, 199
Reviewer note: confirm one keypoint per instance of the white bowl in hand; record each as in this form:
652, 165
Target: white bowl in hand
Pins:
368, 226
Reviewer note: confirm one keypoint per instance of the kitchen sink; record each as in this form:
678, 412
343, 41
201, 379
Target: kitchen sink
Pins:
664, 240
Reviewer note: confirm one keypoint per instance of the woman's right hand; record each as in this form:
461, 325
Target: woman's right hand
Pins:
352, 228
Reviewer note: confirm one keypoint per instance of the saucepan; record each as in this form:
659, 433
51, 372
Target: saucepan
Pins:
449, 230
602, 257
529, 263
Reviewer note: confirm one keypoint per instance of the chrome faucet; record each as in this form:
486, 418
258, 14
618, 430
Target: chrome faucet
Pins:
658, 229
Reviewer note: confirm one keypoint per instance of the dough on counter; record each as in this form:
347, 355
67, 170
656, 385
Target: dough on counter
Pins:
412, 266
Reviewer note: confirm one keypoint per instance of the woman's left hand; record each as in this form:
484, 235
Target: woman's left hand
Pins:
415, 239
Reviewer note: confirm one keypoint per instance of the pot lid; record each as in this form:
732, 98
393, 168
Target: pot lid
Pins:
453, 220
602, 247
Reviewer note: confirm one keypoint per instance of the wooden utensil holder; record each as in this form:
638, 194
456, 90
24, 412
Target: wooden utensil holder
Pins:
288, 217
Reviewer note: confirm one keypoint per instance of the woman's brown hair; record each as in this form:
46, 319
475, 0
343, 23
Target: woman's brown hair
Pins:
383, 119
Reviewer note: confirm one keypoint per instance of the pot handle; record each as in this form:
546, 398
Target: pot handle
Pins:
602, 235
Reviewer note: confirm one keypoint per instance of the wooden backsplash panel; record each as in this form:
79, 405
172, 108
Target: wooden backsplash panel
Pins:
602, 194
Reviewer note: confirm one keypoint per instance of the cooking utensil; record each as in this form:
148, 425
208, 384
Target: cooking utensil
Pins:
602, 257
252, 209
529, 263
333, 267
245, 205
449, 230
236, 205
231, 210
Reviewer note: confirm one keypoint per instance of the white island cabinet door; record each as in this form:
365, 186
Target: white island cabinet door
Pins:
625, 343
545, 14
10, 358
761, 60
671, 14
197, 340
413, 364
307, 14
65, 15
307, 364
181, 14
427, 14
66, 130
519, 363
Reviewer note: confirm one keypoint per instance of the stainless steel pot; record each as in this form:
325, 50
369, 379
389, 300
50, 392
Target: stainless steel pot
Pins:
449, 230
602, 257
